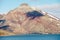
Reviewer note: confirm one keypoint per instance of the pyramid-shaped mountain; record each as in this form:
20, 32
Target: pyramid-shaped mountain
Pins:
26, 20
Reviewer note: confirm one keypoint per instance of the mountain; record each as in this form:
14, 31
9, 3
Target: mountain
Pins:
1, 16
5, 33
26, 20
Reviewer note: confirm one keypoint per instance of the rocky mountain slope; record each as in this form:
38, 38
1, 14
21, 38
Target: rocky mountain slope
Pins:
1, 16
26, 20
5, 33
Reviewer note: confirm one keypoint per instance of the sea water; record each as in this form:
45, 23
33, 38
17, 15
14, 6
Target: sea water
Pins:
32, 37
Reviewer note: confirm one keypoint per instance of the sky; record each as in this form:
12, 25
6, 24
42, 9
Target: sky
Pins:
46, 5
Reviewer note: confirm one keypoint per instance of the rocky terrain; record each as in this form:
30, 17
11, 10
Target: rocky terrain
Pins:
25, 20
5, 33
1, 16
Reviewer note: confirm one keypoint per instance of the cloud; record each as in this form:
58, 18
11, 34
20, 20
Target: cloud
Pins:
48, 6
53, 9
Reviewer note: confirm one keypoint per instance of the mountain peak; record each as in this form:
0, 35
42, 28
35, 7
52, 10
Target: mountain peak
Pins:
24, 7
24, 4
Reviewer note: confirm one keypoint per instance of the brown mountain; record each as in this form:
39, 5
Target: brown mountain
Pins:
25, 20
5, 33
1, 16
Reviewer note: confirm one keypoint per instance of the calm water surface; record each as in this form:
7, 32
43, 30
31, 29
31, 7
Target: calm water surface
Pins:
32, 37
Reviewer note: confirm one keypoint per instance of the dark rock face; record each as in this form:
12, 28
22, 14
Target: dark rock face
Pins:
34, 14
2, 21
4, 27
